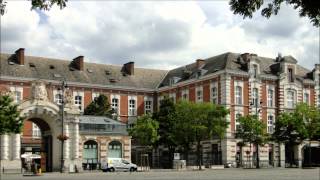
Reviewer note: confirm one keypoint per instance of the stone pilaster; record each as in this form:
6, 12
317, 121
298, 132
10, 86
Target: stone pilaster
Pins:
16, 146
5, 147
66, 146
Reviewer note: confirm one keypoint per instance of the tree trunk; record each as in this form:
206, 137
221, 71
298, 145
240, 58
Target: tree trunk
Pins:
186, 154
258, 160
199, 154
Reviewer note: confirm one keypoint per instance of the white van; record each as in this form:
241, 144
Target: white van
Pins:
118, 164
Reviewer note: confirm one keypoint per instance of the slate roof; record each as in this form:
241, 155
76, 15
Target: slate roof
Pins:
142, 78
231, 61
84, 119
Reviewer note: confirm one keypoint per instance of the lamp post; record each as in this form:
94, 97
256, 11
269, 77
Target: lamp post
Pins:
63, 86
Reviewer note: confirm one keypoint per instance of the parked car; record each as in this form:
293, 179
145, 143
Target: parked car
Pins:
118, 164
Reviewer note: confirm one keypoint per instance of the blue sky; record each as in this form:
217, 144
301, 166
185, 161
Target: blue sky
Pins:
155, 34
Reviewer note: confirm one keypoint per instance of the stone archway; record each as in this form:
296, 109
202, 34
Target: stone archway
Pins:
48, 113
40, 144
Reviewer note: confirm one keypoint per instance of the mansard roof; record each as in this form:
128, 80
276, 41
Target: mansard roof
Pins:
98, 74
234, 63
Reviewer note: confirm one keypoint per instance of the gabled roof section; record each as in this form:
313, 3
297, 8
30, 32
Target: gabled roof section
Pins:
235, 63
99, 74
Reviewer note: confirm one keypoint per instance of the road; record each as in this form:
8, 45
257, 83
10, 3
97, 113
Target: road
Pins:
223, 174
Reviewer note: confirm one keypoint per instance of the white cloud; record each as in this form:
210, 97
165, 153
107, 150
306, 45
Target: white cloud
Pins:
156, 35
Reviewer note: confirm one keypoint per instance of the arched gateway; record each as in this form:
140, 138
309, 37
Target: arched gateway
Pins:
47, 116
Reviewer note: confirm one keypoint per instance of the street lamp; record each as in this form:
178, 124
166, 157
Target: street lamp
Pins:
257, 116
62, 138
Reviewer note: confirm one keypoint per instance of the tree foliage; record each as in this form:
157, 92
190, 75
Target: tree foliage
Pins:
196, 122
251, 130
246, 8
145, 130
166, 122
100, 106
292, 128
47, 4
10, 120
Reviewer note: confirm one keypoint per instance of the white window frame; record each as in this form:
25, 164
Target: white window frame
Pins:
95, 95
115, 96
290, 102
199, 97
255, 97
214, 95
17, 90
132, 108
148, 108
36, 131
238, 95
55, 100
76, 102
270, 124
185, 92
236, 120
173, 96
306, 97
270, 97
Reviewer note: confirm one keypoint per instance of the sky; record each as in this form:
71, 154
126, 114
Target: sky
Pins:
153, 34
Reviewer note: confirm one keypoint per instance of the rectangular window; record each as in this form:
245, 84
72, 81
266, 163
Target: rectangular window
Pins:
78, 101
237, 125
306, 98
199, 94
290, 99
255, 71
17, 94
132, 107
58, 98
185, 94
270, 124
238, 95
115, 105
255, 97
147, 107
95, 95
214, 95
290, 74
270, 98
319, 100
36, 132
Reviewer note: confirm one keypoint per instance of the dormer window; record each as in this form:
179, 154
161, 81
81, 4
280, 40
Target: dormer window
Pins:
290, 74
174, 80
255, 71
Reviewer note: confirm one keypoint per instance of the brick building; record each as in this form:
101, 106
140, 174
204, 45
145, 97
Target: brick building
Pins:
244, 83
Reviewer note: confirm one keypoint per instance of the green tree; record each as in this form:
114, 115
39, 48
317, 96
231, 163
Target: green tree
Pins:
100, 106
252, 131
166, 123
145, 130
47, 4
292, 128
196, 122
10, 119
246, 8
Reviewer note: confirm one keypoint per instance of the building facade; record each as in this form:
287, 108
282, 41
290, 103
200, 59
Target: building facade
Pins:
244, 83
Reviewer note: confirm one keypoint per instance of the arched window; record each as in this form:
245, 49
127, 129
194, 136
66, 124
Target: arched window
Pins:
115, 149
90, 154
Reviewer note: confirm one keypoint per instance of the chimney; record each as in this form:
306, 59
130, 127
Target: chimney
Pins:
78, 63
245, 57
20, 56
129, 68
200, 62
